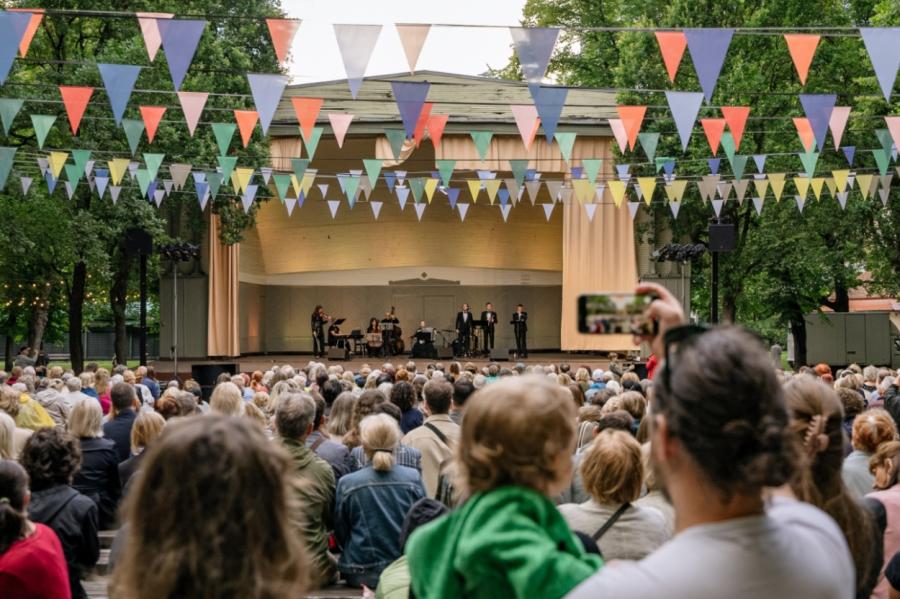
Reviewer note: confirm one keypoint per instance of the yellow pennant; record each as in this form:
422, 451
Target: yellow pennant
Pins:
802, 185
430, 186
309, 177
840, 179
492, 186
57, 160
243, 176
647, 185
865, 183
617, 189
776, 180
761, 186
117, 168
817, 184
584, 190
675, 190
474, 188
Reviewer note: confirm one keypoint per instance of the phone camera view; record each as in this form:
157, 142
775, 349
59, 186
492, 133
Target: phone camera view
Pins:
614, 314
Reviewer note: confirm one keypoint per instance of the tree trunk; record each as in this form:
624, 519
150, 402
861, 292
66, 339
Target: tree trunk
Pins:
729, 308
118, 298
37, 324
798, 329
76, 316
841, 298
10, 341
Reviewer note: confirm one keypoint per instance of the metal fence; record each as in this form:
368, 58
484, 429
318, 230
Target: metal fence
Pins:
99, 344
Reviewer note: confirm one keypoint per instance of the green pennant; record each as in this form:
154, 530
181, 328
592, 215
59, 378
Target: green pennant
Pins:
81, 158
885, 139
73, 173
299, 165
396, 138
727, 144
738, 164
566, 141
313, 142
591, 168
809, 160
373, 169
482, 141
351, 184
9, 108
42, 124
215, 182
883, 160
417, 186
223, 132
445, 168
282, 183
661, 162
133, 130
153, 162
519, 167
649, 141
227, 164
143, 178
6, 162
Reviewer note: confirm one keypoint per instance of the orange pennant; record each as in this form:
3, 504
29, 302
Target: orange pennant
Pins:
632, 117
736, 117
246, 121
75, 99
802, 48
152, 115
436, 124
37, 15
422, 123
307, 110
672, 45
282, 32
804, 130
714, 128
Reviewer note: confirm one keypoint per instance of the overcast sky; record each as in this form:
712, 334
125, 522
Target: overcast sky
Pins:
470, 51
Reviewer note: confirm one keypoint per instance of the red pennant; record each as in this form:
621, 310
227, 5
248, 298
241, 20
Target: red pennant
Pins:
246, 121
75, 99
152, 115
527, 121
736, 117
714, 128
436, 124
282, 32
632, 117
37, 15
419, 133
307, 110
672, 45
804, 130
802, 49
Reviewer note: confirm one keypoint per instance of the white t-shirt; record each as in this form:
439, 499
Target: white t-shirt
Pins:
795, 551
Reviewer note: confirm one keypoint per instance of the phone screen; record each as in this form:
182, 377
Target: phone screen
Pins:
614, 314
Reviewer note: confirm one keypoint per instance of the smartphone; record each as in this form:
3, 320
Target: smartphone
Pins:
615, 314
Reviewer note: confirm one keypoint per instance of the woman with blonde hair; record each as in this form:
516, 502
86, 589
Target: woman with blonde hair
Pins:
7, 437
227, 400
341, 416
209, 517
102, 386
371, 504
148, 426
98, 477
870, 430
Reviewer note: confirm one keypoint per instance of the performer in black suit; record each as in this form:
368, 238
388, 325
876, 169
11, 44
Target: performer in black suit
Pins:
490, 320
464, 328
520, 325
317, 324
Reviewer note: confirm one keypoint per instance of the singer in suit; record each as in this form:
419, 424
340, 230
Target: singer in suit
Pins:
464, 328
489, 317
520, 326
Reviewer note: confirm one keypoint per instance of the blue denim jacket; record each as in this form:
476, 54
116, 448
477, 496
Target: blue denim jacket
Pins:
368, 516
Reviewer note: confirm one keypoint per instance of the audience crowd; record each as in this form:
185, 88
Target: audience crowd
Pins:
720, 476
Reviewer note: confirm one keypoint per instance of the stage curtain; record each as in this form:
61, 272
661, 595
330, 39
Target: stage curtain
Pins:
223, 338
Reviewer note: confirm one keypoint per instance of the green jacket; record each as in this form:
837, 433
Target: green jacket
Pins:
315, 494
509, 542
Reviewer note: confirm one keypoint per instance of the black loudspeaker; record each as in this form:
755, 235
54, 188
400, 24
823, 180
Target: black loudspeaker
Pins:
445, 353
337, 353
206, 375
499, 355
722, 237
138, 242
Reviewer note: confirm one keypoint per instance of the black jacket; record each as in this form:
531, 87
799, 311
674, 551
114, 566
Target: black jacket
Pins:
463, 326
119, 430
99, 477
519, 322
74, 519
486, 313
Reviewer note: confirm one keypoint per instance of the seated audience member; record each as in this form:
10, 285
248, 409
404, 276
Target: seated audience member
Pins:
885, 465
9, 406
655, 497
118, 428
51, 458
32, 562
462, 389
816, 420
870, 430
394, 581
336, 454
7, 437
612, 472
372, 503
148, 379
315, 489
341, 417
55, 404
853, 405
147, 427
404, 396
365, 403
227, 400
194, 529
29, 414
73, 395
102, 387
438, 437
507, 539
719, 438
98, 477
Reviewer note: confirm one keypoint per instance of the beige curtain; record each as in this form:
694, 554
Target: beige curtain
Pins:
282, 149
223, 338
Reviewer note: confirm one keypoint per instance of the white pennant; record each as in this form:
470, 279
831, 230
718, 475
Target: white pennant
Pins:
463, 210
402, 195
675, 207
158, 196
633, 208
289, 204
548, 210
101, 185
758, 205
591, 209
717, 206
376, 208
70, 189
333, 206
842, 199
249, 196
420, 210
883, 193
26, 184
266, 173
504, 211
800, 203
114, 191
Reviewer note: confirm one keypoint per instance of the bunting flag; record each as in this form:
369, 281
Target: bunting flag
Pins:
117, 168
713, 128
376, 208
849, 153
373, 169
881, 44
9, 108
837, 123
592, 168
282, 32
312, 142
340, 122
671, 45
818, 108
534, 46
356, 44
420, 210
675, 207
463, 209
151, 116
266, 90
685, 106
776, 182
226, 164
482, 141
527, 121
618, 130
153, 162
249, 196
708, 48
410, 97
75, 99
549, 102
192, 104
445, 168
893, 125
307, 111
13, 26
223, 132
118, 80
760, 160
7, 155
675, 190
548, 210
809, 160
631, 117
37, 15
805, 132
412, 38
452, 196
422, 123
402, 196
150, 30
435, 126
802, 48
633, 208
26, 184
282, 184
246, 122
565, 141
736, 118
801, 201
179, 42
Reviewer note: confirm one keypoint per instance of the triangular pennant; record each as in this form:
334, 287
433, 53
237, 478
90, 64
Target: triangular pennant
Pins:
801, 202
282, 184
713, 128
402, 195
684, 107
802, 185
617, 189
356, 43
761, 184
81, 158
118, 80
246, 122
840, 179
289, 205
435, 126
282, 32
633, 208
243, 175
809, 160
893, 125
70, 188
740, 189
227, 164
534, 45
101, 183
884, 194
312, 142
838, 122
463, 209
133, 131
56, 161
13, 27
51, 182
805, 132
647, 185
266, 90
554, 186
882, 160
143, 179
373, 169
504, 211
592, 168
631, 117
179, 41
565, 141
307, 111
333, 207
452, 196
215, 182
42, 124
376, 208
818, 109
758, 205
9, 108
708, 48
527, 121
881, 44
396, 138
340, 122
420, 210
549, 102
760, 160
37, 15
738, 164
842, 199
410, 97
422, 124
151, 116
591, 210
153, 162
266, 173
548, 210
412, 38
192, 104
675, 207
482, 141
671, 45
816, 184
865, 183
150, 30
7, 155
492, 186
445, 168
26, 184
533, 188
802, 48
776, 181
648, 142
75, 99
299, 166
736, 117
728, 145
675, 190
717, 206
849, 154
117, 168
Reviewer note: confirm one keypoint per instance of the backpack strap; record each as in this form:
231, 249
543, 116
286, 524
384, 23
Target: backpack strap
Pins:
439, 434
315, 445
612, 520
